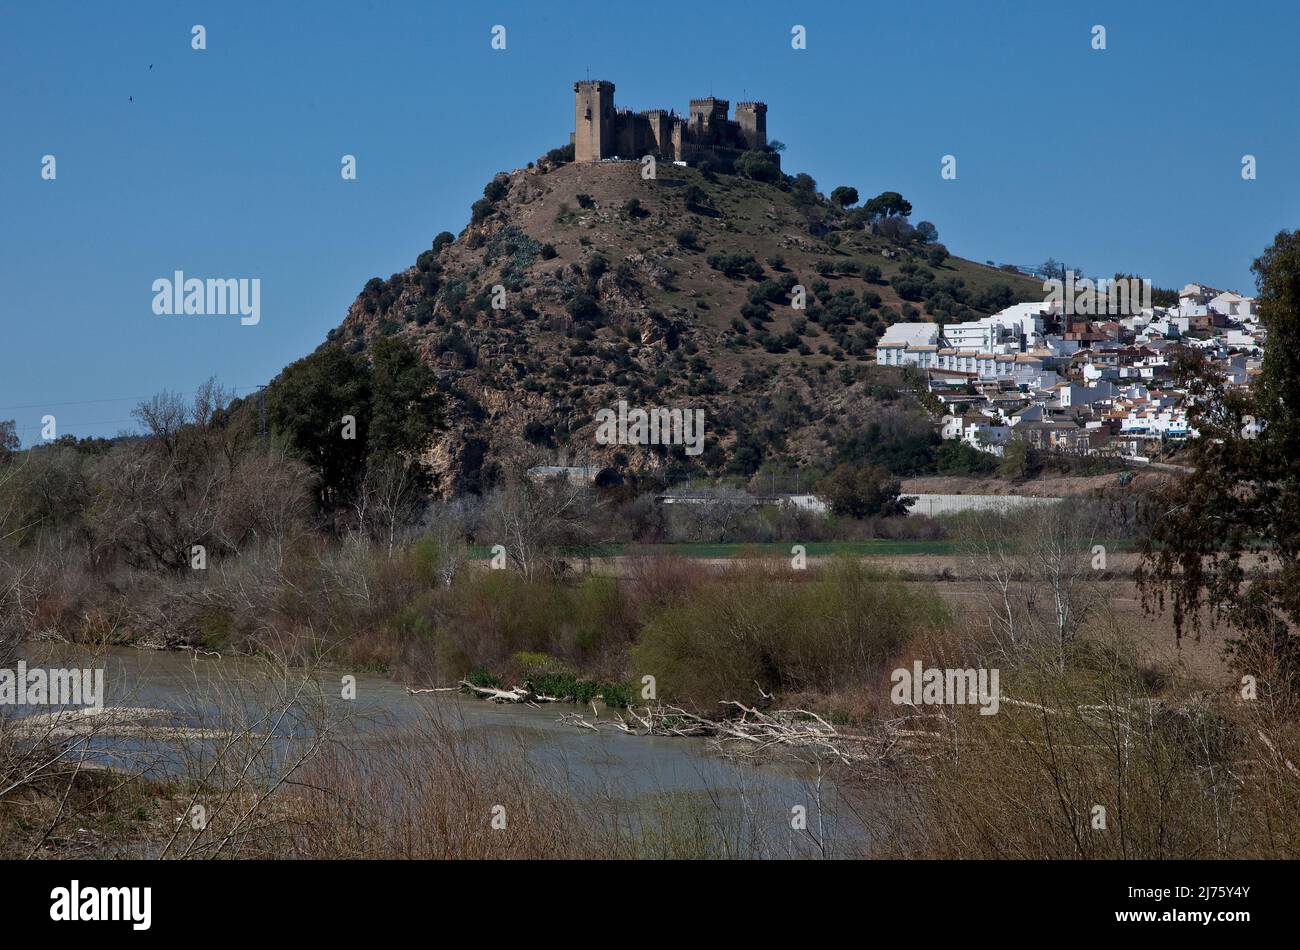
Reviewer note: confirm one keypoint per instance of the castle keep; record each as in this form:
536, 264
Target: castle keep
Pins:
601, 131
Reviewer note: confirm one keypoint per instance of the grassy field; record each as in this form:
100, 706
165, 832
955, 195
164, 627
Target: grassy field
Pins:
876, 547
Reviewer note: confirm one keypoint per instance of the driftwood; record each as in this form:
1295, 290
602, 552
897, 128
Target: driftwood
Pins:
519, 694
756, 732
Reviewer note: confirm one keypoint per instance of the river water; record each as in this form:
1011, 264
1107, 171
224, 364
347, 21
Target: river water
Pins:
209, 691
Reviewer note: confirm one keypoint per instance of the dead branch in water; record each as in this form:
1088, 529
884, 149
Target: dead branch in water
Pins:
518, 694
756, 732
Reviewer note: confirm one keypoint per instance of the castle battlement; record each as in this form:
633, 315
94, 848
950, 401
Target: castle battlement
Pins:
602, 131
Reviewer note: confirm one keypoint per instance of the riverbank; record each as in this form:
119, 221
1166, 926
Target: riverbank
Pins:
564, 791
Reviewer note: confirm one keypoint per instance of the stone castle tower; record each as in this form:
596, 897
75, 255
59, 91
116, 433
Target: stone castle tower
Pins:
602, 131
593, 123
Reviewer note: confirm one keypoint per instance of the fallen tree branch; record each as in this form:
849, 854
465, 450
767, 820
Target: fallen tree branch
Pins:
756, 733
519, 694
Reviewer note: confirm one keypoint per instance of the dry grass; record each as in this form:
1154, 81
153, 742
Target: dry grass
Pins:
1105, 757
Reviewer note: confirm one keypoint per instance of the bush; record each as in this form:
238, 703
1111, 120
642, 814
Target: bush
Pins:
759, 627
696, 198
561, 155
736, 266
861, 491
757, 166
583, 308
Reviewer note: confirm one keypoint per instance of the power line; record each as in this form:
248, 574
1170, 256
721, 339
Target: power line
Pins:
90, 402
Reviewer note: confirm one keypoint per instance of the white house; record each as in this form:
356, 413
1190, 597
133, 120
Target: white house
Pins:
908, 344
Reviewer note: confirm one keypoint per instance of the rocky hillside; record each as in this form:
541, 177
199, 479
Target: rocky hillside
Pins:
575, 286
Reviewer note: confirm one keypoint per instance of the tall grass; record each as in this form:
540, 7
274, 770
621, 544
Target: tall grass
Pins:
435, 792
1101, 758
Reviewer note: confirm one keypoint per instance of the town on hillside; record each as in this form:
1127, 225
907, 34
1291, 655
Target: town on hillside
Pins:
1065, 383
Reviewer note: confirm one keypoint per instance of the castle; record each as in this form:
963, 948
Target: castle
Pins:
601, 131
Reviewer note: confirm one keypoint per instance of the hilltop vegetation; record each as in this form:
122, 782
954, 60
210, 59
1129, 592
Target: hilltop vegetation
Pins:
575, 286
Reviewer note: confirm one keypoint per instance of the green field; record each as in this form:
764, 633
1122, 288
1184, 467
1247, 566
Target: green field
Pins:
876, 547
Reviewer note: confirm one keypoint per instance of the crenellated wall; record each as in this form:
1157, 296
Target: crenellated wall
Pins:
602, 131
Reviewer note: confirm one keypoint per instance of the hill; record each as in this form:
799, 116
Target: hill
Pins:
578, 285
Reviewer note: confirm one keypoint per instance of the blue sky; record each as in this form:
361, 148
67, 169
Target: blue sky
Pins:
226, 164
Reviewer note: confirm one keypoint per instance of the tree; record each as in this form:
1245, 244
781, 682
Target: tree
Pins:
863, 491
1226, 538
1054, 268
803, 190
844, 195
9, 441
405, 409
927, 232
758, 166
197, 476
389, 498
541, 523
935, 255
1037, 570
888, 204
897, 229
308, 404
1017, 459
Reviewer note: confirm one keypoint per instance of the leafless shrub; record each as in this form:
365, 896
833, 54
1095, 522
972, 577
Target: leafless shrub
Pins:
1039, 571
543, 524
1086, 761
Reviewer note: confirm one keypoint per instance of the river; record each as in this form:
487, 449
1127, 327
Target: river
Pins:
209, 691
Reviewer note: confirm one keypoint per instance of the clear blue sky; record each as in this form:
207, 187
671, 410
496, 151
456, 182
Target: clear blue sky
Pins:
226, 164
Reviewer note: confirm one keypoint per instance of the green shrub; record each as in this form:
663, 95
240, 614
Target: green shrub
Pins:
831, 630
482, 677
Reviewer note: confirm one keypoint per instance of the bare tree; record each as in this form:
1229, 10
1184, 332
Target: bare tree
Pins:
388, 500
447, 527
541, 522
1039, 568
163, 416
